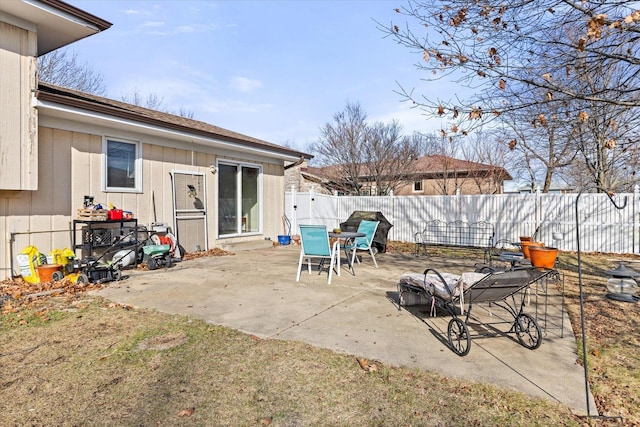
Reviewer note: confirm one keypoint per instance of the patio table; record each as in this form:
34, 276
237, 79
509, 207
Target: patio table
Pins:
347, 237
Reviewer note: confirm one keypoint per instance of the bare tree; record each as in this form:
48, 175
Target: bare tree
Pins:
448, 178
494, 44
547, 70
361, 157
62, 67
153, 101
487, 149
545, 143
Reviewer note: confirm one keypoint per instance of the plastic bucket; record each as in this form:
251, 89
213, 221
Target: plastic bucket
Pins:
284, 240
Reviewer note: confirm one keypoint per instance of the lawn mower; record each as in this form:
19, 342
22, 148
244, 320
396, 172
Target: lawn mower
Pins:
90, 269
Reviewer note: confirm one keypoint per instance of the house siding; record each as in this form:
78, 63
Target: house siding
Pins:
18, 121
70, 167
433, 187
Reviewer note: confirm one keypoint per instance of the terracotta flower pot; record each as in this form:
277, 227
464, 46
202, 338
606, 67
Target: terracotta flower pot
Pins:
543, 256
45, 271
525, 238
526, 245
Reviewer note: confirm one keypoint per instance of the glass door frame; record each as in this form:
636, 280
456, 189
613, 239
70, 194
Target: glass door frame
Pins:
238, 202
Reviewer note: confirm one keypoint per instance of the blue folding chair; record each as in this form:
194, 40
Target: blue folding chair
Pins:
315, 244
364, 243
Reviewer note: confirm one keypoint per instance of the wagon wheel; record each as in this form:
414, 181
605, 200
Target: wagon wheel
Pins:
57, 276
152, 264
458, 335
528, 331
167, 261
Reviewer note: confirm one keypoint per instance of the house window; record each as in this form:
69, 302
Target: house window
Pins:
417, 186
239, 199
122, 166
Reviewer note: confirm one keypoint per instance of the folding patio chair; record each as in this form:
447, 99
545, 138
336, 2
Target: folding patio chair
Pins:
364, 243
315, 244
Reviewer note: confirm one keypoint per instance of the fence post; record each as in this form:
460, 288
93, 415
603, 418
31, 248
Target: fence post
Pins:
312, 199
294, 211
538, 213
636, 221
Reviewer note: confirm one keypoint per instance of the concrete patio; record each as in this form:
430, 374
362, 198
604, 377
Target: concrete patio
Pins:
255, 292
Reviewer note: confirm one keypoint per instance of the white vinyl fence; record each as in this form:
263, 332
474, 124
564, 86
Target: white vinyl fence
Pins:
603, 227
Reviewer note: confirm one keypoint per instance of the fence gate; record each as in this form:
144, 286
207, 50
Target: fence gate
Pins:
189, 210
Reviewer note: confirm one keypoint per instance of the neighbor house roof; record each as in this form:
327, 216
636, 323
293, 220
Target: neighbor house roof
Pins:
436, 165
426, 166
49, 95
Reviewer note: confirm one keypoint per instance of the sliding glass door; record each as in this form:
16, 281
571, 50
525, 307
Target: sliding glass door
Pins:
239, 199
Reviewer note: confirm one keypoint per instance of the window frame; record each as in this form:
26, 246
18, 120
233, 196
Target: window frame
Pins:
418, 190
137, 188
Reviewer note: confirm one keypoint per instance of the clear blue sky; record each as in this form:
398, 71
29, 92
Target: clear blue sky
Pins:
274, 70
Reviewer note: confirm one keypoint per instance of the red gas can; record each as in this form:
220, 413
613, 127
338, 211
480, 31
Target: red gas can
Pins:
115, 214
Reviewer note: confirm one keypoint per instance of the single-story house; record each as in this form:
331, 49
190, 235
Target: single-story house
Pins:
441, 175
212, 186
428, 175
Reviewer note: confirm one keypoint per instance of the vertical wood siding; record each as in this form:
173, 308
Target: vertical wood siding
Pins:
18, 121
70, 167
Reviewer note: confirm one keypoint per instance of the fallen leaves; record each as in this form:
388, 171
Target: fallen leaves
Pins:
200, 254
366, 365
18, 294
187, 412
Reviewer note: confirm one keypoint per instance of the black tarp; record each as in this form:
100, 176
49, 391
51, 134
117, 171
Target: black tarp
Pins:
380, 238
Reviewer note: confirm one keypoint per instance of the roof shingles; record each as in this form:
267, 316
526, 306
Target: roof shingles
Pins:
95, 103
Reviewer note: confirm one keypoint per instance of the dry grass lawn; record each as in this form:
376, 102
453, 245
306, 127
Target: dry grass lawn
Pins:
67, 359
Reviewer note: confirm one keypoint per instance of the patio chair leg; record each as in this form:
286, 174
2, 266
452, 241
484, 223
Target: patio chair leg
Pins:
373, 257
336, 254
331, 268
299, 267
353, 258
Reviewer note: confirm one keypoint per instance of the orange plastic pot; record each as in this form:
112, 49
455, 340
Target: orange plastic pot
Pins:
543, 256
526, 245
45, 271
525, 238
